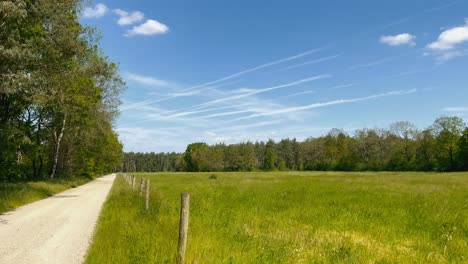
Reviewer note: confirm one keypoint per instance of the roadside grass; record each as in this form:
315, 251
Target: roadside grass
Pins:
289, 217
14, 195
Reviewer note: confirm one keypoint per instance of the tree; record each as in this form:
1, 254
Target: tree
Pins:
271, 157
193, 161
405, 133
59, 94
400, 148
425, 151
463, 151
313, 153
447, 131
20, 35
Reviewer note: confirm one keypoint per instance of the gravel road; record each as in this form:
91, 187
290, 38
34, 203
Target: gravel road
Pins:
54, 230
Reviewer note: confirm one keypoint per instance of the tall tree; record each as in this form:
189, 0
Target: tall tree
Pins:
463, 150
270, 159
58, 92
405, 132
447, 131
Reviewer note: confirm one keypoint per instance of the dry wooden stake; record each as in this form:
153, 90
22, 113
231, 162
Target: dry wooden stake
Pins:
147, 194
133, 183
183, 227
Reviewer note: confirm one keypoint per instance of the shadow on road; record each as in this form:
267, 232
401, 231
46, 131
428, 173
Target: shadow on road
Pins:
64, 196
3, 221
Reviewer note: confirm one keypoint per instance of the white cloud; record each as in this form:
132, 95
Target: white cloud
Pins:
95, 12
398, 40
150, 27
127, 18
450, 38
456, 109
448, 55
146, 80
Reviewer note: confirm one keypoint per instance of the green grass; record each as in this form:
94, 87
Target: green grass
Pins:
13, 195
289, 217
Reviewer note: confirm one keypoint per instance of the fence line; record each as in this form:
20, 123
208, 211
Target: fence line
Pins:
184, 213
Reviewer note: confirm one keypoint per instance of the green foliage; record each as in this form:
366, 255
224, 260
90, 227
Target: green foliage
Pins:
402, 147
58, 94
463, 153
289, 217
270, 159
448, 131
194, 156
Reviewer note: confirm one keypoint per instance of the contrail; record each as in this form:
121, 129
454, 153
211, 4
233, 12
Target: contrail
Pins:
266, 65
330, 103
310, 62
262, 91
202, 87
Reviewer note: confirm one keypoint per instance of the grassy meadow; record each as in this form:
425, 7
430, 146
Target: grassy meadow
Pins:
13, 195
289, 217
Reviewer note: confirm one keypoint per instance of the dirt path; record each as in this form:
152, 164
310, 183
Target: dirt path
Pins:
54, 230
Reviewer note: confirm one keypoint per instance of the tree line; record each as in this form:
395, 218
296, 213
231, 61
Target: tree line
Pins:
59, 94
401, 147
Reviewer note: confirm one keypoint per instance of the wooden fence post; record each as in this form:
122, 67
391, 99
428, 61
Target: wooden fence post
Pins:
142, 185
133, 183
147, 194
183, 227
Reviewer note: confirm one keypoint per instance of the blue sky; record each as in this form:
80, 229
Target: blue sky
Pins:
232, 71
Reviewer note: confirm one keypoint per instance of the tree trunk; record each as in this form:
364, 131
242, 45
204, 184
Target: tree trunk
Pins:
38, 142
452, 165
5, 111
57, 148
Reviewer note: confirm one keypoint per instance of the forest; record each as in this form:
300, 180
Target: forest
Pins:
59, 94
402, 147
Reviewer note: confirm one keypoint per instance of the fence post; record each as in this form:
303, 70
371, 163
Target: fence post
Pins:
133, 183
142, 185
183, 227
147, 194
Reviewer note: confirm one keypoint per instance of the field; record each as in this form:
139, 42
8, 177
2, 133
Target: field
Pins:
289, 217
13, 195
